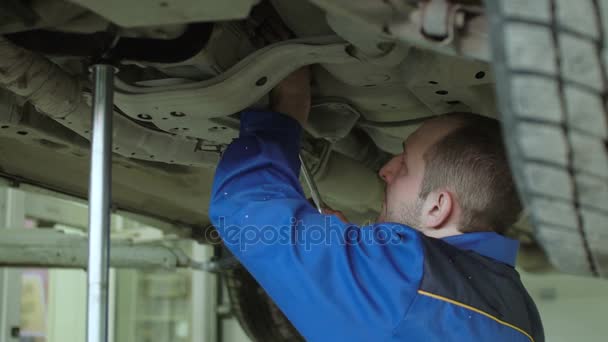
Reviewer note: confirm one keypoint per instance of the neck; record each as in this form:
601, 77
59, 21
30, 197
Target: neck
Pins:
441, 232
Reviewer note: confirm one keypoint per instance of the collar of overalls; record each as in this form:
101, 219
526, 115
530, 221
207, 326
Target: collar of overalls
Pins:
488, 244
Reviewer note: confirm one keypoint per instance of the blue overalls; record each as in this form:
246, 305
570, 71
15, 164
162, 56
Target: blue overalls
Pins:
340, 282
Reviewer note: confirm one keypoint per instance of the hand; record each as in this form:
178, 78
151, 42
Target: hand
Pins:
329, 211
292, 95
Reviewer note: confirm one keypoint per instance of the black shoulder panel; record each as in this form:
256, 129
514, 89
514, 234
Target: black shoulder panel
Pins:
482, 283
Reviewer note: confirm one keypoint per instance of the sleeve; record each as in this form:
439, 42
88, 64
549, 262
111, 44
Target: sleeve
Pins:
334, 281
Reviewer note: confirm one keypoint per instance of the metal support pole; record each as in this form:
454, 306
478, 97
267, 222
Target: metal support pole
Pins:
99, 203
12, 214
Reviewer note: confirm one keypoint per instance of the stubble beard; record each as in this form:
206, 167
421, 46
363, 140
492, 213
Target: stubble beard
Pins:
404, 213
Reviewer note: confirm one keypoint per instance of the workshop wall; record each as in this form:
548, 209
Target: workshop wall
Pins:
572, 308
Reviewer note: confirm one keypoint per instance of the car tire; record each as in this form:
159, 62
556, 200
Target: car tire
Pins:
550, 60
257, 314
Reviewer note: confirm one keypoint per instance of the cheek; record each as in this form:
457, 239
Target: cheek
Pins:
405, 189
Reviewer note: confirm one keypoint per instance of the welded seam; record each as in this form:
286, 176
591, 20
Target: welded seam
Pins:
570, 150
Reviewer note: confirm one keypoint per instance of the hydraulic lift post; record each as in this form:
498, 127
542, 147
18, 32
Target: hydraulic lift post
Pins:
99, 203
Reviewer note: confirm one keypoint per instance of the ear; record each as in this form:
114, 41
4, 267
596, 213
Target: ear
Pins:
437, 209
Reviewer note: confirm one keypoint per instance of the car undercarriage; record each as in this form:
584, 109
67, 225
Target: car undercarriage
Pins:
175, 111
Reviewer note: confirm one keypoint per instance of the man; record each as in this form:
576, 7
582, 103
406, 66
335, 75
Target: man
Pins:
439, 271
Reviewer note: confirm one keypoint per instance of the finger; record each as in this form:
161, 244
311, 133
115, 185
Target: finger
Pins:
327, 211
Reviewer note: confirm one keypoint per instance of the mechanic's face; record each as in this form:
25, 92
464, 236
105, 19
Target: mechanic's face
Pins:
404, 174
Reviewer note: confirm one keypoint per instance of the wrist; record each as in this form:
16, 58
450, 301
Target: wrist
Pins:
292, 95
296, 106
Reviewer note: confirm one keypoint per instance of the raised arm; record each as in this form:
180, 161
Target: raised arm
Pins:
334, 281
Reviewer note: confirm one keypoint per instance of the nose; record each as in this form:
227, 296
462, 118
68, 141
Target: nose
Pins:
388, 171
